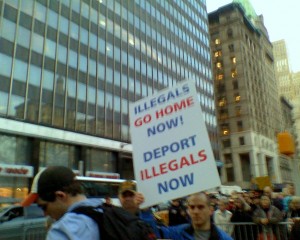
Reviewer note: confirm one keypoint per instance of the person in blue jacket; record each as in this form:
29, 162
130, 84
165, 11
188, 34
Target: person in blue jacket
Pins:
57, 192
201, 227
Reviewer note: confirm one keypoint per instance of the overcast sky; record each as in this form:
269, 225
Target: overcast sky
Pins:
282, 21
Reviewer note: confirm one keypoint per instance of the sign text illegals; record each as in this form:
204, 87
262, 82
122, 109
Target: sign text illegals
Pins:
171, 150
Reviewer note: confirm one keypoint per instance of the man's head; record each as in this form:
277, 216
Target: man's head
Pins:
175, 202
127, 192
291, 189
265, 202
55, 189
268, 191
108, 200
222, 204
198, 207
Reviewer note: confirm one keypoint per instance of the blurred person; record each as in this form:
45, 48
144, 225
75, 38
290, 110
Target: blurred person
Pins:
222, 217
213, 201
267, 215
293, 213
294, 207
288, 192
131, 200
239, 216
57, 192
295, 232
108, 202
177, 213
277, 202
247, 198
198, 208
255, 203
230, 205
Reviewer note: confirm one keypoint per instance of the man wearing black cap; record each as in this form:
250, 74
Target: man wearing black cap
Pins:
58, 193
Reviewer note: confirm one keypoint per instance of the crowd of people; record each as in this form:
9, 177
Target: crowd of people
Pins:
234, 213
199, 216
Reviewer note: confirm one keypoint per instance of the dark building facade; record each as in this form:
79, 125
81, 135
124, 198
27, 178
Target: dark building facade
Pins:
70, 68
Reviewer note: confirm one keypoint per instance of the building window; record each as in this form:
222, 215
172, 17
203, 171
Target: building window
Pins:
100, 160
242, 140
225, 129
240, 126
226, 144
223, 114
229, 33
222, 102
238, 111
228, 158
219, 65
230, 174
233, 60
220, 76
218, 54
234, 73
231, 47
217, 41
237, 97
235, 84
221, 88
245, 164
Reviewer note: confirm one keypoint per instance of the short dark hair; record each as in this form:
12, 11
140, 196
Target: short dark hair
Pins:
57, 178
202, 195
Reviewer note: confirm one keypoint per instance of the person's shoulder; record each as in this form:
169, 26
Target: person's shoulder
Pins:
177, 232
85, 203
222, 234
217, 211
74, 226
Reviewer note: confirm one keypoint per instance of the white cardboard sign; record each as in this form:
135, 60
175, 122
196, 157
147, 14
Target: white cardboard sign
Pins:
172, 155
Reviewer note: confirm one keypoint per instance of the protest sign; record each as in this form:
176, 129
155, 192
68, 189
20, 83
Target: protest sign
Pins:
172, 155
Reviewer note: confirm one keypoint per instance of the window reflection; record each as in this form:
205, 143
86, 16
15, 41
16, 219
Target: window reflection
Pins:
37, 43
56, 154
52, 19
23, 37
40, 12
3, 102
102, 161
16, 107
6, 65
64, 25
8, 30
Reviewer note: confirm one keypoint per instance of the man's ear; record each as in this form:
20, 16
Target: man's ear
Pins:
60, 195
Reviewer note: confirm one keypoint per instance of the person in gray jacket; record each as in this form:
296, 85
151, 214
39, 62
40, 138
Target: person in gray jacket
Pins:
267, 216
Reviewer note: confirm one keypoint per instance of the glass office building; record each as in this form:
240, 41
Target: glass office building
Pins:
70, 68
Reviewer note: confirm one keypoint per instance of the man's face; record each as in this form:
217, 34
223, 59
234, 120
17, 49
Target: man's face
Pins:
267, 192
199, 211
222, 206
291, 190
54, 209
265, 202
127, 200
175, 203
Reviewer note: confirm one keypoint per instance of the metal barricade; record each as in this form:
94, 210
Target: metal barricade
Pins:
252, 231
